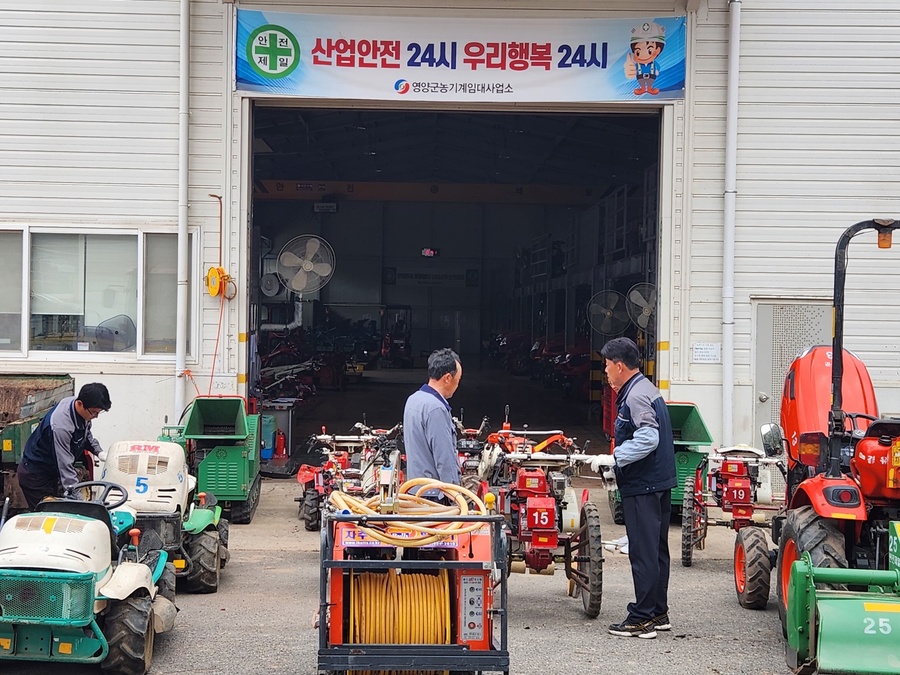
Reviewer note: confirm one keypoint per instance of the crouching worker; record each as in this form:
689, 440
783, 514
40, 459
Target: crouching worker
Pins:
48, 463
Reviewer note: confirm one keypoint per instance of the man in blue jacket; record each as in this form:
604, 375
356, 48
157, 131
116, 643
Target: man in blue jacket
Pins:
59, 441
429, 434
645, 473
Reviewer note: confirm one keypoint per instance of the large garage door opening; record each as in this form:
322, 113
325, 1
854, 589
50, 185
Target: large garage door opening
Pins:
522, 241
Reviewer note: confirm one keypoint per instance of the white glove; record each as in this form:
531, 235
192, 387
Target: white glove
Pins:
609, 479
602, 460
102, 456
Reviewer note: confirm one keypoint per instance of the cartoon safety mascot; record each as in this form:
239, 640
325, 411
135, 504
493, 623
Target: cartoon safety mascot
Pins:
647, 42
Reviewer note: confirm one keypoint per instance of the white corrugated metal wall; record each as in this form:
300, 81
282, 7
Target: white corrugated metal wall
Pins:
88, 136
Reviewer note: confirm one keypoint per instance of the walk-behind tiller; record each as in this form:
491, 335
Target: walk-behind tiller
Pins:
409, 585
530, 472
350, 464
736, 484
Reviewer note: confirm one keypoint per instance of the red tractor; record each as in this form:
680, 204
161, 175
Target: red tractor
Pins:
843, 473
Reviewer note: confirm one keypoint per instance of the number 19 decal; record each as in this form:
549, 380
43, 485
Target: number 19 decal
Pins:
141, 485
884, 626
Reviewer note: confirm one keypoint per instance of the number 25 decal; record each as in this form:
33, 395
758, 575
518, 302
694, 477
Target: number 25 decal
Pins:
141, 485
884, 626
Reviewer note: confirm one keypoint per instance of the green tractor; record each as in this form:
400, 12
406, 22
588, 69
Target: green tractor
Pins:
223, 444
78, 584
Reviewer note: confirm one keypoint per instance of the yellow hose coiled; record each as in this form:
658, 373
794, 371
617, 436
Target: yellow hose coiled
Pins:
401, 609
411, 608
412, 505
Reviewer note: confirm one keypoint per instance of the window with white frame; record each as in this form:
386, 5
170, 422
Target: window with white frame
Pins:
11, 293
105, 292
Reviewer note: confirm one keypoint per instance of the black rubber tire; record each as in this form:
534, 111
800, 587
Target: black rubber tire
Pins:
806, 531
752, 568
592, 548
241, 513
615, 507
687, 523
128, 627
310, 511
471, 482
203, 550
166, 584
223, 528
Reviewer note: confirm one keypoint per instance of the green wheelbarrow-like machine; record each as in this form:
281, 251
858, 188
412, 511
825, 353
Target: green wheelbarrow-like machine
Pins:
690, 434
833, 630
223, 445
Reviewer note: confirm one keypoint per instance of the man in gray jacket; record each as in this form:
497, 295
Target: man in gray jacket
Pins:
428, 431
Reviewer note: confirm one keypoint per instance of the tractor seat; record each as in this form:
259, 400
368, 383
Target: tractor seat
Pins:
79, 508
886, 427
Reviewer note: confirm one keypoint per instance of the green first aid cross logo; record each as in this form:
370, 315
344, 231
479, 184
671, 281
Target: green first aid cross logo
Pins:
273, 52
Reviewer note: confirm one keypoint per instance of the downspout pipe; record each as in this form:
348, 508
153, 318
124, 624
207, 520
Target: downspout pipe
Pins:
731, 136
181, 299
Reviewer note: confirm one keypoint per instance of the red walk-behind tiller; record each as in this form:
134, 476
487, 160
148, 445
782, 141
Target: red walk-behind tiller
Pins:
743, 489
530, 472
410, 585
350, 464
469, 446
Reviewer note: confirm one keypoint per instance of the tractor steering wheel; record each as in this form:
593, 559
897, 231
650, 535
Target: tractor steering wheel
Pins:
107, 488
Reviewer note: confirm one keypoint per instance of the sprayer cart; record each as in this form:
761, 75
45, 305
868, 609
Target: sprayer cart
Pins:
440, 606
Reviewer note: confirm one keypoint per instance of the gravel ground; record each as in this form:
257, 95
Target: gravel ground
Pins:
260, 621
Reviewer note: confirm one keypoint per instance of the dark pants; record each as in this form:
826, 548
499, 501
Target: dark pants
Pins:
647, 526
35, 484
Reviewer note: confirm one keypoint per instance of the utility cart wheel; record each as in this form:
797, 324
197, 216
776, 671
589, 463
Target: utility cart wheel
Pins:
590, 553
752, 568
203, 550
223, 528
615, 507
693, 523
129, 629
309, 510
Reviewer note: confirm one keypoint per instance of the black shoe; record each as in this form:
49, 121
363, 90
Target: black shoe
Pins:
662, 622
645, 631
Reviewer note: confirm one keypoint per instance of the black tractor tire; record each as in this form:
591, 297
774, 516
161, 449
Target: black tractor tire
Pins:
128, 627
310, 511
471, 482
166, 584
806, 531
592, 549
752, 568
203, 550
615, 507
689, 523
223, 529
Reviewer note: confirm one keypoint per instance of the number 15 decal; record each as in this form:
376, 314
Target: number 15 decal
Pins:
141, 485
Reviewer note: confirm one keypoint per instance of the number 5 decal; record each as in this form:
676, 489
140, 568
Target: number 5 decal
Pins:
142, 485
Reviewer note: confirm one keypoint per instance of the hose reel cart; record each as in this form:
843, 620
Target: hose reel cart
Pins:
393, 599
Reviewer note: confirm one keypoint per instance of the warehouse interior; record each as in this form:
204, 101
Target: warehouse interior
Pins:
521, 240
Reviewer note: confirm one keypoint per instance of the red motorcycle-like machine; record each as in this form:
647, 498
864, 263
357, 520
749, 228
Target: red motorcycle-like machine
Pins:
529, 475
350, 464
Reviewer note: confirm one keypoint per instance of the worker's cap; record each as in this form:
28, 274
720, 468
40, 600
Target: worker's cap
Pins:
648, 32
